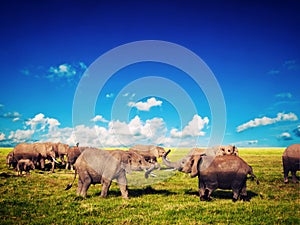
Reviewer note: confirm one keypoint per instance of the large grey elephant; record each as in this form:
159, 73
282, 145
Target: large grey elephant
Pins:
102, 166
291, 162
224, 172
36, 152
149, 152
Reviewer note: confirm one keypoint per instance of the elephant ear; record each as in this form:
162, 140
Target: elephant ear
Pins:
195, 161
126, 161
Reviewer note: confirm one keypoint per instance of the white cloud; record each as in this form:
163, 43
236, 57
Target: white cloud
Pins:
285, 136
145, 106
267, 121
21, 135
99, 118
109, 95
114, 133
40, 122
14, 116
2, 136
127, 94
193, 129
118, 133
63, 70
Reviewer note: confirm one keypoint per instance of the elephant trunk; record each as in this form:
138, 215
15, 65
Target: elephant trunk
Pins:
174, 165
148, 171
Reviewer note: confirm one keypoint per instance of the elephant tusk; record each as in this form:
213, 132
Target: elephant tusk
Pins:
54, 159
153, 174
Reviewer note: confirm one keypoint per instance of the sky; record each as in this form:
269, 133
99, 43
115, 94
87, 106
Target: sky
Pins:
169, 73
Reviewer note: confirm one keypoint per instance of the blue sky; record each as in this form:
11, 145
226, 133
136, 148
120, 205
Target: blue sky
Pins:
47, 49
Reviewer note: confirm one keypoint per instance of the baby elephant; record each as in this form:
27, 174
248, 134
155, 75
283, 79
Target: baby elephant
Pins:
25, 165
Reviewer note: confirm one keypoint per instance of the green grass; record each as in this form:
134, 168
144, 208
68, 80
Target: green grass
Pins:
169, 198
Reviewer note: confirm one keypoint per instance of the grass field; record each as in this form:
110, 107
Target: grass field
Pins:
172, 198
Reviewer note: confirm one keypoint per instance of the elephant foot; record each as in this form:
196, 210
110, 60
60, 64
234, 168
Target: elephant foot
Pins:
245, 198
205, 198
286, 181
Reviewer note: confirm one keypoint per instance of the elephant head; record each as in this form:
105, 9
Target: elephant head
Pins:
182, 164
228, 150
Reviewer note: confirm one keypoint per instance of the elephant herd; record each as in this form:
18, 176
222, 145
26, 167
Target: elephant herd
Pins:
216, 167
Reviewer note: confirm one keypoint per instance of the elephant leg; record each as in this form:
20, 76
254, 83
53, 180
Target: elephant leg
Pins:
243, 194
285, 175
53, 166
62, 159
105, 186
80, 183
42, 162
201, 190
208, 193
294, 177
122, 182
85, 186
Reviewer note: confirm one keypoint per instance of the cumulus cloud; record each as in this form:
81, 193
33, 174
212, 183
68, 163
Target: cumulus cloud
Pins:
99, 118
193, 129
113, 133
21, 135
145, 106
267, 121
116, 134
40, 122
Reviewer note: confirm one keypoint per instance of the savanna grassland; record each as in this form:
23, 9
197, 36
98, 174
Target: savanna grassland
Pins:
169, 198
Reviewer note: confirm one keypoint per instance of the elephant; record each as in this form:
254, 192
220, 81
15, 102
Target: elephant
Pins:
224, 172
60, 150
213, 151
72, 154
25, 165
149, 152
102, 166
216, 150
10, 160
291, 162
36, 152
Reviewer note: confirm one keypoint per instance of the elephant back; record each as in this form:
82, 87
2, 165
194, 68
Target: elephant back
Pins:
293, 151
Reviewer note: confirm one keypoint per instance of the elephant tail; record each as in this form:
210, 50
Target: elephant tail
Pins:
71, 184
253, 175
